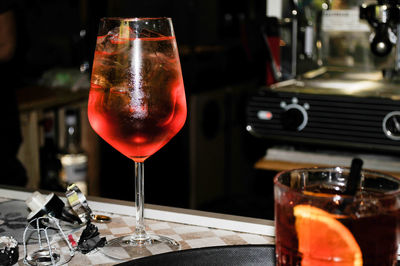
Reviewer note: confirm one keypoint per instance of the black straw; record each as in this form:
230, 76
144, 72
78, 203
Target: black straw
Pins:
353, 183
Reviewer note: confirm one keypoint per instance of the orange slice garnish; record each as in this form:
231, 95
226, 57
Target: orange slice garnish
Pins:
323, 240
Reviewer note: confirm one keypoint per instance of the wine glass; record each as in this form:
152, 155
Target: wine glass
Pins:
136, 104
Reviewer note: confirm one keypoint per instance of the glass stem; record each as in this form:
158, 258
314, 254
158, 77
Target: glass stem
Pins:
140, 232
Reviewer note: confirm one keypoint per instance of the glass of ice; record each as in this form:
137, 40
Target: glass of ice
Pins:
137, 104
318, 223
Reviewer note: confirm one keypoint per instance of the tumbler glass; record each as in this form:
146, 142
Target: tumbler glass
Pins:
318, 222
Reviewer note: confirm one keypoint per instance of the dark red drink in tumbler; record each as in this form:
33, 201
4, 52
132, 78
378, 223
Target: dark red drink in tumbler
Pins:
318, 223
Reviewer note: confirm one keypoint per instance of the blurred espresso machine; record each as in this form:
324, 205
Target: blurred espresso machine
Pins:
337, 77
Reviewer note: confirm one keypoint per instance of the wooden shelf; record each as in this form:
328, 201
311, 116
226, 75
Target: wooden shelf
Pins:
40, 98
33, 103
274, 165
282, 166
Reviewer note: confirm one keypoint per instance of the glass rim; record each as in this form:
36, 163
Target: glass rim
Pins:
335, 169
133, 18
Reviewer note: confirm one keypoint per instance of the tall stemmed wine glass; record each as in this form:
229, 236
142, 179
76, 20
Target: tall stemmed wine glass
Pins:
136, 104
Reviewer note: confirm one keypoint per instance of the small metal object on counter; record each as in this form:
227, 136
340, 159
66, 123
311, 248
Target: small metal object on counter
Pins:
90, 239
100, 218
8, 251
40, 205
79, 204
69, 215
46, 253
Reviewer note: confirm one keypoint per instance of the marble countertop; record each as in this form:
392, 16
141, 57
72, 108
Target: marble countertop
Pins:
192, 229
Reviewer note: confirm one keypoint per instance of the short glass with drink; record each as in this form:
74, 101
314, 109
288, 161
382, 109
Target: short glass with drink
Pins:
319, 221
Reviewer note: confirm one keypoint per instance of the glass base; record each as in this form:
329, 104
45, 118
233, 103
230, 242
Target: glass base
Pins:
127, 247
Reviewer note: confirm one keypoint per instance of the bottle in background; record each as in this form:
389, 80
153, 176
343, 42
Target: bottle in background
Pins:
73, 159
50, 165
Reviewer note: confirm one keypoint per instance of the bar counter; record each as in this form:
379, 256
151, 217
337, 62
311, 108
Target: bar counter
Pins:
191, 228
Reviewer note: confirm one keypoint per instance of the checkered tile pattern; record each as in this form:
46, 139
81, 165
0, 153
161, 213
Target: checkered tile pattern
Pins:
188, 236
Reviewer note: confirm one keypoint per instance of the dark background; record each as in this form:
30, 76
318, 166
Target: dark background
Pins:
228, 33
223, 61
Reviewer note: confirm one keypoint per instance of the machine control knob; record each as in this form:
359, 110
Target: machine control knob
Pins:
391, 125
295, 116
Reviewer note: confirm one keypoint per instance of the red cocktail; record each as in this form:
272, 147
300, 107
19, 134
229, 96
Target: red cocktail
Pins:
137, 115
137, 104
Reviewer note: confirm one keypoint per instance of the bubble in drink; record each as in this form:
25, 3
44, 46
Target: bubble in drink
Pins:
364, 205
